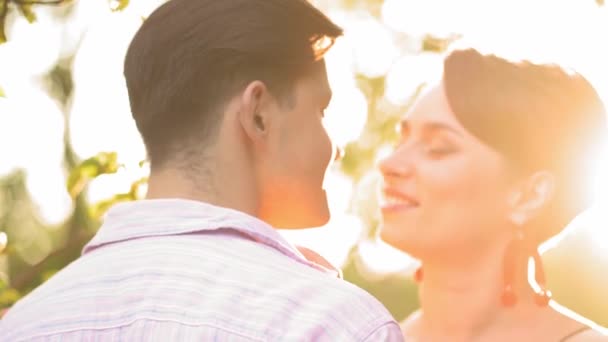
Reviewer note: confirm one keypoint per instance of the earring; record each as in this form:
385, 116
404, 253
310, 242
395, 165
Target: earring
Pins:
518, 219
418, 275
515, 248
508, 297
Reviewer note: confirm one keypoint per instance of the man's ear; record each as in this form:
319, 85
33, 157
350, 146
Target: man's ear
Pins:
528, 199
255, 111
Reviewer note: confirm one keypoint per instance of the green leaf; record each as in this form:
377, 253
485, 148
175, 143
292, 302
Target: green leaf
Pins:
2, 94
108, 162
2, 33
46, 275
118, 5
8, 297
27, 12
432, 43
103, 163
3, 12
97, 210
134, 192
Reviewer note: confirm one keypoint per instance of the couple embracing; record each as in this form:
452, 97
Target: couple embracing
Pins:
229, 98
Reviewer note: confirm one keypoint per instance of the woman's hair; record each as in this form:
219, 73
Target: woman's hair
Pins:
539, 116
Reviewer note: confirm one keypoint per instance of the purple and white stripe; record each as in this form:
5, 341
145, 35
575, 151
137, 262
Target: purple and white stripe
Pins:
176, 270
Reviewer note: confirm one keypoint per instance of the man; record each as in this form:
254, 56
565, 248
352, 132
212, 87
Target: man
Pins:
229, 98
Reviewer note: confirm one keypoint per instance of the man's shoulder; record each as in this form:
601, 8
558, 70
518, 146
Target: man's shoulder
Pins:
341, 309
338, 297
303, 298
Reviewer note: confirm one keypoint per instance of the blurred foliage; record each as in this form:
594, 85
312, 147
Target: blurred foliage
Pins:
27, 12
35, 250
103, 163
98, 209
118, 5
59, 82
25, 8
3, 14
371, 6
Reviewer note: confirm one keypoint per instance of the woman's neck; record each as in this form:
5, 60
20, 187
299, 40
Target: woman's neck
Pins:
461, 300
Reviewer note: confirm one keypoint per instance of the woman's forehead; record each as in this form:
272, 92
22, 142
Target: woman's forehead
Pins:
432, 105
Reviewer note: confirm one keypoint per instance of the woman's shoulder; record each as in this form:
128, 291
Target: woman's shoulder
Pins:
587, 330
588, 334
410, 323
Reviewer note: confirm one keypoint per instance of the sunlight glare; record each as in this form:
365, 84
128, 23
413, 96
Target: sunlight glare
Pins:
347, 112
332, 241
373, 46
101, 118
346, 115
32, 49
3, 241
418, 18
32, 121
382, 258
598, 217
106, 186
408, 73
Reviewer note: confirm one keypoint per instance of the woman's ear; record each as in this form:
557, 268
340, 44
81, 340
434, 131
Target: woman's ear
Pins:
531, 196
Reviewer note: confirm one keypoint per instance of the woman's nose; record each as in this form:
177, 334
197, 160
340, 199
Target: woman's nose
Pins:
397, 164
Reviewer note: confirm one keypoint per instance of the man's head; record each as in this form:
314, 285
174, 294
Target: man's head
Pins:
251, 70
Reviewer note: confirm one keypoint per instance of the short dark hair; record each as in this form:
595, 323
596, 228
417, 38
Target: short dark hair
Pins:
190, 56
540, 116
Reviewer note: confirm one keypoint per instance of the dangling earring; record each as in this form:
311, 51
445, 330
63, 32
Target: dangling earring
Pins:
515, 248
543, 296
508, 297
418, 275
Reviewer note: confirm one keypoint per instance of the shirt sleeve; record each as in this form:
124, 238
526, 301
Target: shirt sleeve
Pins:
387, 332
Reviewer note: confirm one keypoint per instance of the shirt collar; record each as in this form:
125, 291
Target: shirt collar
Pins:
163, 217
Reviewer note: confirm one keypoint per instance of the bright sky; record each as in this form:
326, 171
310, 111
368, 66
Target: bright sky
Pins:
31, 126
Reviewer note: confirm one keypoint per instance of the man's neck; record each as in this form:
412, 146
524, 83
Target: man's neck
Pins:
209, 188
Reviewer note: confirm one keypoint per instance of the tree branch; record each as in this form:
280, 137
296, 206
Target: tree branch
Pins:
3, 12
25, 279
39, 2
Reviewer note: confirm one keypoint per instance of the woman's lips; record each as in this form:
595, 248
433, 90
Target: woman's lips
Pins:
394, 200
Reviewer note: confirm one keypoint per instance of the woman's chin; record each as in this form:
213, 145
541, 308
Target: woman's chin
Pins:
400, 239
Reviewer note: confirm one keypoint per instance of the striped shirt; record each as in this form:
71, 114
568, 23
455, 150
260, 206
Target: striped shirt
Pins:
178, 270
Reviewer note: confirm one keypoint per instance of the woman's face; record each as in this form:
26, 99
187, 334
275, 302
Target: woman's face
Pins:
444, 191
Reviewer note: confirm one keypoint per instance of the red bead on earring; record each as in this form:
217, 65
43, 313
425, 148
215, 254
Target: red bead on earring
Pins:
542, 298
508, 298
418, 275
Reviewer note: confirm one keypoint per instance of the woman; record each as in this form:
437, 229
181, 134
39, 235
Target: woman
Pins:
491, 163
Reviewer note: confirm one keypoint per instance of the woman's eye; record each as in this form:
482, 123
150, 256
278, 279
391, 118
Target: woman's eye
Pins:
439, 150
